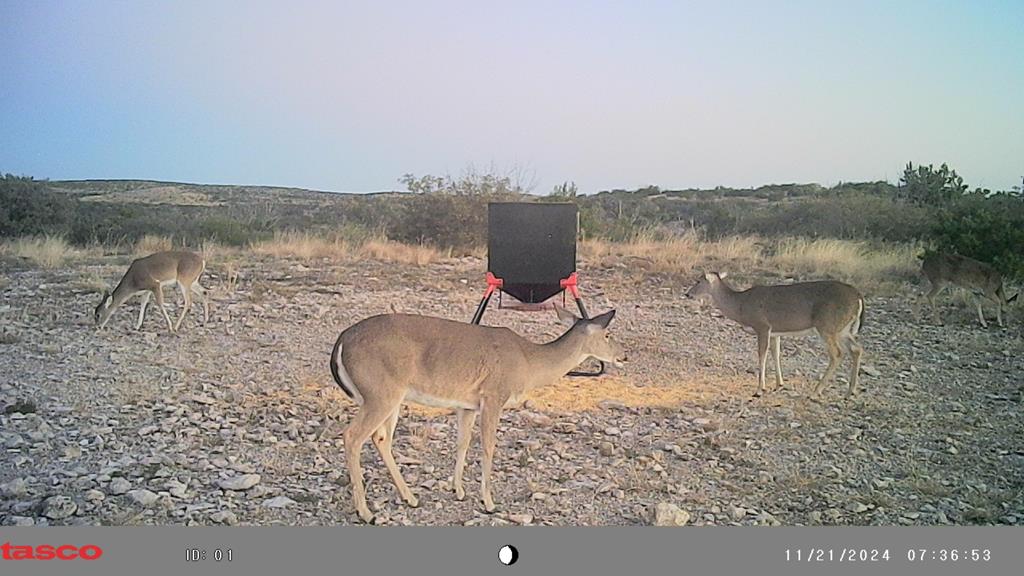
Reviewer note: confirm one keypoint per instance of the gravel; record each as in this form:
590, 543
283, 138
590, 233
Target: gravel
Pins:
239, 421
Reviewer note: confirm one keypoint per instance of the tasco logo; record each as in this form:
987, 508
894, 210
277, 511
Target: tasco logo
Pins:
47, 552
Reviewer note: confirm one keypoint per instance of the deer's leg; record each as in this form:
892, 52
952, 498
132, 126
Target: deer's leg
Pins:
158, 293
490, 413
854, 348
763, 340
937, 287
371, 415
981, 315
196, 288
465, 420
187, 295
142, 309
835, 354
998, 301
382, 439
777, 352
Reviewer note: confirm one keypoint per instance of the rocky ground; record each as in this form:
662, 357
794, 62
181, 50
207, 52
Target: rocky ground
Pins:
239, 422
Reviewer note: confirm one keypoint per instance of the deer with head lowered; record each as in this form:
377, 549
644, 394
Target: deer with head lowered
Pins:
148, 276
943, 270
834, 309
383, 361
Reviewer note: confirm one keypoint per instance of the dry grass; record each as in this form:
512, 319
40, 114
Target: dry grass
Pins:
211, 249
389, 251
304, 246
314, 247
677, 254
859, 263
150, 244
43, 251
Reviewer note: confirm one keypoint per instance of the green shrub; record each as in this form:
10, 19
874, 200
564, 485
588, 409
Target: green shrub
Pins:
990, 229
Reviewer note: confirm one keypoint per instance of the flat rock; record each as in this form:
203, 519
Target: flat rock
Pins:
224, 517
119, 486
278, 502
59, 507
667, 514
143, 496
238, 483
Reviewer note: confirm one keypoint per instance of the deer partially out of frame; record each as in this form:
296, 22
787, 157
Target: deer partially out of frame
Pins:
148, 276
385, 360
834, 309
943, 270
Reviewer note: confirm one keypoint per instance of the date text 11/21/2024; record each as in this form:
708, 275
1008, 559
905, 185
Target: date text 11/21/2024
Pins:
883, 555
200, 554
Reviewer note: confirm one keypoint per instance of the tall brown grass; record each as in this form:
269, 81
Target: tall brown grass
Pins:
305, 246
312, 247
43, 251
150, 244
683, 253
868, 266
390, 251
859, 263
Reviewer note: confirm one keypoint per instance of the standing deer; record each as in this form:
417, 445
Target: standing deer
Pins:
834, 309
943, 270
385, 360
148, 276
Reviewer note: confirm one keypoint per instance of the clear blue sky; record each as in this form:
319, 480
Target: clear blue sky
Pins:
609, 94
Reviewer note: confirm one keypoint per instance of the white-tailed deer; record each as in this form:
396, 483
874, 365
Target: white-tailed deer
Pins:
148, 276
943, 270
385, 360
834, 309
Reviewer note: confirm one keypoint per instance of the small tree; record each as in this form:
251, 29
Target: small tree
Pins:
927, 186
472, 182
567, 190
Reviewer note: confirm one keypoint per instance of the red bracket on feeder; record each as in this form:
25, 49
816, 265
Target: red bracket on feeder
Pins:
570, 284
493, 283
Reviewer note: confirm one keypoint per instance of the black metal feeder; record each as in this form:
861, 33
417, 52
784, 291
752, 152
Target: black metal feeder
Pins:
531, 257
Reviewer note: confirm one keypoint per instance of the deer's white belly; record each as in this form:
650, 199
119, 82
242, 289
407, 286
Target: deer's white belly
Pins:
438, 402
807, 332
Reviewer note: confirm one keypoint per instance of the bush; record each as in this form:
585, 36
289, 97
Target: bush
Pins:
989, 229
27, 208
443, 220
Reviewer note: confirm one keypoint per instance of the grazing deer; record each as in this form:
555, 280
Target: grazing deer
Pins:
835, 310
148, 276
943, 270
385, 360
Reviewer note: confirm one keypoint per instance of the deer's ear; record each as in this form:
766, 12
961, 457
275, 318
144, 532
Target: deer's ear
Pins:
604, 319
565, 317
708, 276
722, 275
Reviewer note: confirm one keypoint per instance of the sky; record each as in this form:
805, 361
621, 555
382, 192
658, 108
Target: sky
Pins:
349, 96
